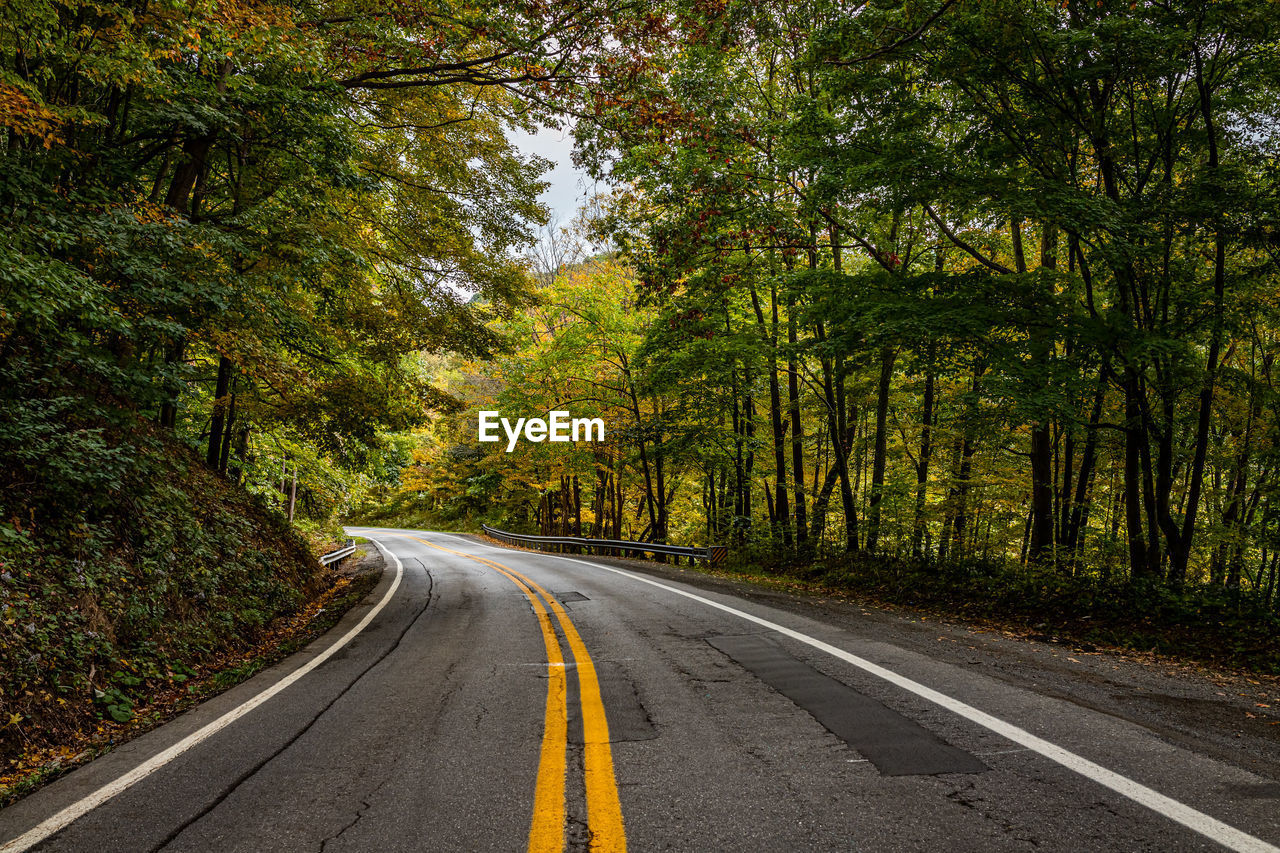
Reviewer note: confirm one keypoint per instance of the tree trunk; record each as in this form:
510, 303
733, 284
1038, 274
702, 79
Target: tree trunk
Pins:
750, 464
1088, 457
177, 354
650, 501
225, 452
797, 432
781, 514
577, 506
888, 356
220, 405
1040, 547
964, 471
242, 452
1180, 547
922, 465
1134, 432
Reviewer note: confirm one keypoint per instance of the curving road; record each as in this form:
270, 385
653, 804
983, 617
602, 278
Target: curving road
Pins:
485, 698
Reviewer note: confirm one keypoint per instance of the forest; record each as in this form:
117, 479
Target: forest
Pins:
964, 283
231, 230
966, 286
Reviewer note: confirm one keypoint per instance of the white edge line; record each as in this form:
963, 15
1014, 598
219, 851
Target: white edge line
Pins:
62, 819
1197, 821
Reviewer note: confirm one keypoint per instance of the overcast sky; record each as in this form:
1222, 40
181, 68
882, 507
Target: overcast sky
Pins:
569, 186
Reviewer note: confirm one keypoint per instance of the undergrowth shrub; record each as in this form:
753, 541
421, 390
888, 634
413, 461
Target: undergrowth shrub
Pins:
117, 579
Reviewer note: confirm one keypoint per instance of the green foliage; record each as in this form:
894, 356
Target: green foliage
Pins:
105, 604
232, 228
238, 191
966, 284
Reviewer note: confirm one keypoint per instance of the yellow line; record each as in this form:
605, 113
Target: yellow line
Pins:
546, 832
604, 808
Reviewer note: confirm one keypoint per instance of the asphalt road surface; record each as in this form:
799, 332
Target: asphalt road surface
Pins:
484, 698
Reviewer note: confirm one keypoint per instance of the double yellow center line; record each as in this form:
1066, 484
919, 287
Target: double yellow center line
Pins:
604, 810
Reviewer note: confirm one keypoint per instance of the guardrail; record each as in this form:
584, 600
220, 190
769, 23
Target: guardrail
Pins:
614, 547
334, 557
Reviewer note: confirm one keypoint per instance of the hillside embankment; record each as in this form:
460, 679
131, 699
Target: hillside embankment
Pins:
120, 610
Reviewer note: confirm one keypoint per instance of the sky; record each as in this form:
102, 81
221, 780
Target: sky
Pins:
569, 186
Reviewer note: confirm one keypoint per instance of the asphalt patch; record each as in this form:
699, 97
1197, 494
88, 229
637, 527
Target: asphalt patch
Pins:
894, 744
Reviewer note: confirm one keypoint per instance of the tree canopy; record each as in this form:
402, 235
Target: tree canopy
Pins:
954, 283
952, 280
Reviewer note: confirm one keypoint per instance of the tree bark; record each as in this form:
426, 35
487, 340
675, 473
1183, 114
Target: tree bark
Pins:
1134, 432
176, 354
1040, 548
922, 464
220, 405
1180, 546
225, 454
888, 355
797, 432
781, 513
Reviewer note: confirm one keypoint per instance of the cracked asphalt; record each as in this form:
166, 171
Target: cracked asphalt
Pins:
423, 733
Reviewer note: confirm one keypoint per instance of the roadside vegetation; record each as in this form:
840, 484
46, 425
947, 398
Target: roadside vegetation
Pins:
232, 229
166, 677
956, 301
1201, 624
131, 594
965, 302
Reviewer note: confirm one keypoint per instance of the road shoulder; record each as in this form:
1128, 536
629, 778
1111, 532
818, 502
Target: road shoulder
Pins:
1230, 716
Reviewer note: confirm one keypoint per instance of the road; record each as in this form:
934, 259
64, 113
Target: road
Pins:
485, 698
